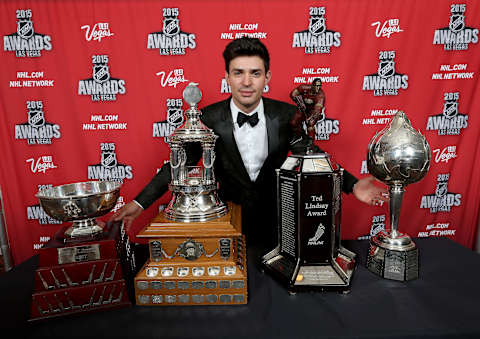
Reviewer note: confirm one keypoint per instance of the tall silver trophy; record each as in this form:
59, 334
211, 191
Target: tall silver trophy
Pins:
398, 155
194, 188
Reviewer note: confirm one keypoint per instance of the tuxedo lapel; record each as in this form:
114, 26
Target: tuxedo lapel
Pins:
272, 128
225, 129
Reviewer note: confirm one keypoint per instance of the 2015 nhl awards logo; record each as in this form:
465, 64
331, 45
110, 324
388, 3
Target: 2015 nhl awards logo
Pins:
101, 86
25, 42
171, 40
450, 121
378, 224
457, 36
109, 168
442, 200
386, 81
174, 119
37, 130
325, 127
317, 39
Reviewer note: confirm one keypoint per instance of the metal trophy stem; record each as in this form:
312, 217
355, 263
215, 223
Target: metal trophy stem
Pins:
398, 155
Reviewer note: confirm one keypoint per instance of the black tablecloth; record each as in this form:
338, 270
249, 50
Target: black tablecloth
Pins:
443, 302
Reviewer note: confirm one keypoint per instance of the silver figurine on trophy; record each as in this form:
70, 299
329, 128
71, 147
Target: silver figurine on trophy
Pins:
194, 188
398, 156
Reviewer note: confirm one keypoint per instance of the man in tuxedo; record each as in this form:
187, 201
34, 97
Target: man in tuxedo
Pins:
254, 138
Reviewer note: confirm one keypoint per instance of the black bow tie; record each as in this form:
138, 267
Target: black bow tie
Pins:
243, 118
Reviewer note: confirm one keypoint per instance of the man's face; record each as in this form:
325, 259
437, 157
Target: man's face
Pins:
247, 78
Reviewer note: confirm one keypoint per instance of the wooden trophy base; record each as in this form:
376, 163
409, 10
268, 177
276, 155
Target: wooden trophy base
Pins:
79, 277
197, 263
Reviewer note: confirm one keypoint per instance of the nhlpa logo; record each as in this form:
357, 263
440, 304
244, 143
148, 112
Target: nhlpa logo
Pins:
171, 40
315, 240
442, 200
450, 121
109, 167
174, 119
387, 81
317, 39
457, 36
25, 42
325, 127
101, 86
37, 130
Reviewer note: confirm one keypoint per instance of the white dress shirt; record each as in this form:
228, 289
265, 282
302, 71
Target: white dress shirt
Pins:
252, 142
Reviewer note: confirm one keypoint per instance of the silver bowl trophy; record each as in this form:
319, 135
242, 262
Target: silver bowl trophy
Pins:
194, 188
81, 269
197, 250
81, 203
398, 156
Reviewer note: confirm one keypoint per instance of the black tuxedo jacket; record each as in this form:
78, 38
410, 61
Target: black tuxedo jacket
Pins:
258, 199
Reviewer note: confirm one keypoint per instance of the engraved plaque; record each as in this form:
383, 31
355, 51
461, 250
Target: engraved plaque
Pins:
225, 248
211, 298
142, 285
183, 285
238, 284
210, 284
197, 284
225, 298
157, 299
198, 298
224, 284
67, 255
170, 299
169, 285
143, 299
156, 250
238, 298
183, 298
156, 285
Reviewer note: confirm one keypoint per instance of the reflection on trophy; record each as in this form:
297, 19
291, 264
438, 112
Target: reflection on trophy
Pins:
197, 250
309, 255
81, 269
81, 203
398, 155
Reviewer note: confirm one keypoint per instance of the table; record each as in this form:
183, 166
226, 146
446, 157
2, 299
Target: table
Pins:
443, 302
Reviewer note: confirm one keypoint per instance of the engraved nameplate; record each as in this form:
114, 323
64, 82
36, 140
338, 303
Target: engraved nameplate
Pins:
67, 255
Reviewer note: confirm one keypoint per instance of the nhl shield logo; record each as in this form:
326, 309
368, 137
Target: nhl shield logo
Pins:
171, 26
100, 73
25, 29
450, 109
441, 189
386, 68
457, 22
36, 118
175, 116
317, 25
109, 159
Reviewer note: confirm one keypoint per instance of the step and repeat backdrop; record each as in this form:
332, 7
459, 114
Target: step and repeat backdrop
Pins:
90, 90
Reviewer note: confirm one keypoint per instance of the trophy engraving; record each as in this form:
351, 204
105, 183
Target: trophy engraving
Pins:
398, 156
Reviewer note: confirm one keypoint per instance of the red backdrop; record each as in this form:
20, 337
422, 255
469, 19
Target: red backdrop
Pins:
89, 90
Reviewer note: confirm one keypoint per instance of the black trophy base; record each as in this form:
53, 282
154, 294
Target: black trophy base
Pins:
335, 275
394, 264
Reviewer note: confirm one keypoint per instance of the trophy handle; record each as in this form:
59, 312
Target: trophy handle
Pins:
396, 196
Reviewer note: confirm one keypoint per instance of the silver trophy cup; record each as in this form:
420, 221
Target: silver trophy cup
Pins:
398, 156
81, 203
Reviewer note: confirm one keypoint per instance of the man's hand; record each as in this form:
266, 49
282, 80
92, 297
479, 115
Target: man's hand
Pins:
127, 213
366, 191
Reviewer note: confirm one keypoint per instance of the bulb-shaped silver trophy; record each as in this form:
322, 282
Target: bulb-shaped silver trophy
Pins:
398, 156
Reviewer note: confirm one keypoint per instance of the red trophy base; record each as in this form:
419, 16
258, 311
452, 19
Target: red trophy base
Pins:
79, 276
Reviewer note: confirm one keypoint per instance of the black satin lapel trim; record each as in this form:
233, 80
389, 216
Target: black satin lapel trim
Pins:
273, 128
226, 131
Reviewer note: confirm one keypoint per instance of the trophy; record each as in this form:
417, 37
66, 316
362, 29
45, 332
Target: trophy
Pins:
309, 255
398, 155
197, 250
194, 189
80, 270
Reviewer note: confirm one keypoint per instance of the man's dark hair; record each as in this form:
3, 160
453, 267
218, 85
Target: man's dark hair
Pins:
246, 47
